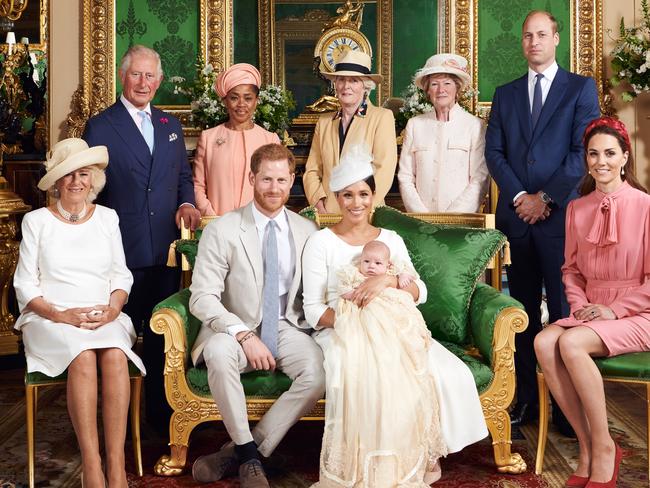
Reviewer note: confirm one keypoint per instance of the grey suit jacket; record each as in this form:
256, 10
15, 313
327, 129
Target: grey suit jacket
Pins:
228, 275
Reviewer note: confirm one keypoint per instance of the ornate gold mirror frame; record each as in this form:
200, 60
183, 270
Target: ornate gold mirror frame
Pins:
586, 42
270, 62
98, 57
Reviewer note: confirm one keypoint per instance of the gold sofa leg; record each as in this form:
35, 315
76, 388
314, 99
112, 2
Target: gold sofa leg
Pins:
543, 422
136, 390
31, 394
179, 434
507, 461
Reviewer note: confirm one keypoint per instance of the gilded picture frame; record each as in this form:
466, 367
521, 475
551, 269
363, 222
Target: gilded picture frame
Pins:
271, 40
97, 89
586, 42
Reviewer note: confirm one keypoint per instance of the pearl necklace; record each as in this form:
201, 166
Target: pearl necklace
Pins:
70, 216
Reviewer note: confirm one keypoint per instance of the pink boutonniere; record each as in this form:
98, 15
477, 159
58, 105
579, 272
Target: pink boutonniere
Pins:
164, 120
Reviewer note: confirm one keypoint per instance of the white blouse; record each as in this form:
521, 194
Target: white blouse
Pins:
442, 166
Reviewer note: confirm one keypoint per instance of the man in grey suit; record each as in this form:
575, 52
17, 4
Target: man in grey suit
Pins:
247, 292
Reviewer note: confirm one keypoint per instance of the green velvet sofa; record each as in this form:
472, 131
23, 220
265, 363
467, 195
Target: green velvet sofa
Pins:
480, 330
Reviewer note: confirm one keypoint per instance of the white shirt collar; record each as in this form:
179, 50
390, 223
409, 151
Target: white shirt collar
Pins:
132, 109
549, 73
261, 220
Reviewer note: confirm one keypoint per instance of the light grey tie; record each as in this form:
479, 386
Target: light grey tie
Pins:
270, 293
147, 129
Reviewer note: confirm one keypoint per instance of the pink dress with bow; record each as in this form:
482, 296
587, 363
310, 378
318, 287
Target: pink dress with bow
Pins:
607, 262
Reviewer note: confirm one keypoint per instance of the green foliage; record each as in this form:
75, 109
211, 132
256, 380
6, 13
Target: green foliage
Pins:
631, 57
208, 110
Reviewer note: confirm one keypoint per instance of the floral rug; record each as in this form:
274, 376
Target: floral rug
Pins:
295, 462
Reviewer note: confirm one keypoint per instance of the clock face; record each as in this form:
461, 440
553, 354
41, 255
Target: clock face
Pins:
336, 42
336, 48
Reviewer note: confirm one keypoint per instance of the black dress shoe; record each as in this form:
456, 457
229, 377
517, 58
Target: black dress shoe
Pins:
523, 413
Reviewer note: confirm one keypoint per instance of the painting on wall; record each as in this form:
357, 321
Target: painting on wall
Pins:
500, 57
170, 27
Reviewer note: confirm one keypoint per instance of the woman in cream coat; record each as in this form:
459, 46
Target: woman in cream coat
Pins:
358, 122
442, 167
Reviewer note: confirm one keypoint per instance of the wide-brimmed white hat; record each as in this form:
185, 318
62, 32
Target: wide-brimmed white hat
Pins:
445, 63
353, 63
69, 155
355, 165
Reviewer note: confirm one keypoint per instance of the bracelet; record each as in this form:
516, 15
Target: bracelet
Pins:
246, 337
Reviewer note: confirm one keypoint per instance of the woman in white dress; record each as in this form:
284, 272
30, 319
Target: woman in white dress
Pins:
71, 283
461, 420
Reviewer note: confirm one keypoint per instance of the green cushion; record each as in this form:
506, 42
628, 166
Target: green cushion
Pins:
188, 248
42, 378
450, 260
631, 366
258, 384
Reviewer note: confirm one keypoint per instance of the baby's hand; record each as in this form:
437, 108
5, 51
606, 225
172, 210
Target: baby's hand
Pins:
347, 295
404, 280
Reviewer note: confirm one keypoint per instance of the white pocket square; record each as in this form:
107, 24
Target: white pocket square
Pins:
172, 137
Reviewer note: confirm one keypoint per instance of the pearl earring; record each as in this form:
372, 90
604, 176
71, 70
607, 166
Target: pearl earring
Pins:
622, 171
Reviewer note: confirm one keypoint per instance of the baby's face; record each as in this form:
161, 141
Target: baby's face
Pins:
373, 263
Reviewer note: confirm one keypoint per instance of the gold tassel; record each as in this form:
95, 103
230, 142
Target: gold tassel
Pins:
506, 254
171, 255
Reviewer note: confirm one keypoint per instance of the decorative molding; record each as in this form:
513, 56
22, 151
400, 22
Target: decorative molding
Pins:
98, 58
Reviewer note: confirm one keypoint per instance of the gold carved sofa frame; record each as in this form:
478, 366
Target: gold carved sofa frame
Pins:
191, 409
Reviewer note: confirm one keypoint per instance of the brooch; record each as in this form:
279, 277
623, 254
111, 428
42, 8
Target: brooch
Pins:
172, 137
164, 120
220, 141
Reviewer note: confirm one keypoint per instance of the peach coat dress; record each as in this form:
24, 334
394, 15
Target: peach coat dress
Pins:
607, 262
221, 167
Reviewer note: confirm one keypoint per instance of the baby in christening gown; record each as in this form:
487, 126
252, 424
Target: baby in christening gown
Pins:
382, 425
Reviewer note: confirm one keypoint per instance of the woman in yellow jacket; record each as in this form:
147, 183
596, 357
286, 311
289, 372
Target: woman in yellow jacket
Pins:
357, 122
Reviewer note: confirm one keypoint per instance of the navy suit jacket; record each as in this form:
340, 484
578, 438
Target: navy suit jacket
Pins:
144, 189
549, 158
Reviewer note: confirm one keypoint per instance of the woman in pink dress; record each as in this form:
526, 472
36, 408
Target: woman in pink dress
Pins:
606, 265
223, 154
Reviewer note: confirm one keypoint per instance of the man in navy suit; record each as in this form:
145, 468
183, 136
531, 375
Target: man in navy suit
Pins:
534, 153
149, 184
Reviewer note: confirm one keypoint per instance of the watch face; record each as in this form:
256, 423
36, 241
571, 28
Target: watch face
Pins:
336, 47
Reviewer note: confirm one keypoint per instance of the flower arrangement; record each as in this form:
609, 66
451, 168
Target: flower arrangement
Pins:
272, 112
416, 102
631, 57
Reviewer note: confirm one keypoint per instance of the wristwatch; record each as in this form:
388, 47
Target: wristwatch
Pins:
545, 198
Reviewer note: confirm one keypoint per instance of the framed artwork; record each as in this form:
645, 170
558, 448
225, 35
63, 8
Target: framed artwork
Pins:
199, 27
297, 24
488, 34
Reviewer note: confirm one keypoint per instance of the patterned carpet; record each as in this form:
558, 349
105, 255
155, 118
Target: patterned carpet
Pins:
295, 463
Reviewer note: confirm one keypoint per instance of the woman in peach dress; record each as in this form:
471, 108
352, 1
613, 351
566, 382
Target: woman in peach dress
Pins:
223, 153
606, 266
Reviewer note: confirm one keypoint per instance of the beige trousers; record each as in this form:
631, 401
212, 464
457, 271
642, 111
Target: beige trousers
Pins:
299, 357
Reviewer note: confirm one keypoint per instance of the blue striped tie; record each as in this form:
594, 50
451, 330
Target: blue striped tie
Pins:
147, 129
270, 294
